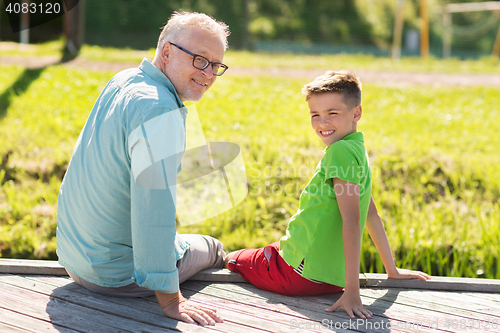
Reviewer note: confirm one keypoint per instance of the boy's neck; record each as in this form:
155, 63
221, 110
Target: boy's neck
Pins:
354, 130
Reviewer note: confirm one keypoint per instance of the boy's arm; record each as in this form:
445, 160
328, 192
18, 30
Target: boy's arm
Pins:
348, 200
377, 233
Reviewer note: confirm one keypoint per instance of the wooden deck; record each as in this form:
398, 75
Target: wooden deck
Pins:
52, 302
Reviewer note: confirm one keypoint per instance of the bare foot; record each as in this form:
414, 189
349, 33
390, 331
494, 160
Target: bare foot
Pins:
228, 257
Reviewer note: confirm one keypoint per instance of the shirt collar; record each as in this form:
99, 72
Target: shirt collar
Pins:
147, 67
356, 136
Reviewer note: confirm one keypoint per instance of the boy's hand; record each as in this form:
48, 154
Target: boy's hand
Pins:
408, 274
351, 303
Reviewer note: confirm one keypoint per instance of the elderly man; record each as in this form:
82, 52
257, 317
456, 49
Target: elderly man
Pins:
116, 228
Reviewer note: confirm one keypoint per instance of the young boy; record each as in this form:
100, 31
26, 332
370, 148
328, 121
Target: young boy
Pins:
320, 252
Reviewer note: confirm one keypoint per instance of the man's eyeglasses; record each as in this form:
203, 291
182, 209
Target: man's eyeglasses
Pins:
200, 62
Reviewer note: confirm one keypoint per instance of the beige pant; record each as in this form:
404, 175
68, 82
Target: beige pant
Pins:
204, 252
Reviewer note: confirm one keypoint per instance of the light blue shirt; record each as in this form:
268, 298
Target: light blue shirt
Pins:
116, 209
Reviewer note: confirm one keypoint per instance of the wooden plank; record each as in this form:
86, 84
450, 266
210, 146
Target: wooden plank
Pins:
247, 316
134, 309
442, 301
247, 313
399, 315
144, 309
24, 266
305, 318
50, 267
435, 283
29, 324
392, 303
67, 314
429, 297
228, 308
301, 307
401, 306
445, 297
489, 296
249, 293
6, 328
217, 275
64, 280
408, 319
58, 281
226, 275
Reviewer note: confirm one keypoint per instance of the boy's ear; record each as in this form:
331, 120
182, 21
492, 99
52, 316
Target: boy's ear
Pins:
358, 111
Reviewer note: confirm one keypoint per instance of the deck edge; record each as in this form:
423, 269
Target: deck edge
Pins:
435, 283
367, 280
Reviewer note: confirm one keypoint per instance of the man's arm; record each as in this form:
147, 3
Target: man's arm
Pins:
177, 307
153, 209
348, 200
377, 233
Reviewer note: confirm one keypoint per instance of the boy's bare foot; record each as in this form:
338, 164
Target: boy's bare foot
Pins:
228, 257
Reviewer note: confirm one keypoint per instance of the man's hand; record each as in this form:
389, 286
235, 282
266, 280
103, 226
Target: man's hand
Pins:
177, 307
408, 274
351, 303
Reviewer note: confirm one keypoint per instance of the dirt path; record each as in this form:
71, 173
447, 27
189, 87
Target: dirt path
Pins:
378, 77
387, 78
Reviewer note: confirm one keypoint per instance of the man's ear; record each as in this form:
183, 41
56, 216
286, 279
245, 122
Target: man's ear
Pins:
165, 52
358, 111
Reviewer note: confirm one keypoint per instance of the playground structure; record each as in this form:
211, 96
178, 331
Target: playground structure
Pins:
424, 28
448, 28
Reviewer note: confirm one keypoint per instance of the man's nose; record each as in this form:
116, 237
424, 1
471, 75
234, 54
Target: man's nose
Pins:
208, 71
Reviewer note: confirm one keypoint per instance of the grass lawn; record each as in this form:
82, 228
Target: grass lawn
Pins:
236, 58
434, 155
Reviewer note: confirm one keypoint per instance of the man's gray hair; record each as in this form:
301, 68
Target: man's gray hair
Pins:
181, 22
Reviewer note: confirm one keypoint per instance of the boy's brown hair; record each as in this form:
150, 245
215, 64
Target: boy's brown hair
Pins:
343, 82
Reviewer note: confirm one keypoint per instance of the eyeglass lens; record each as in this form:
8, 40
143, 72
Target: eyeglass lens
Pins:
202, 63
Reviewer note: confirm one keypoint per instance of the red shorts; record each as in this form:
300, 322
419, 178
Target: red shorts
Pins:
265, 269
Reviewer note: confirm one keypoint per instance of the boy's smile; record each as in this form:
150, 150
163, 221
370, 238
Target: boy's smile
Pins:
331, 118
326, 133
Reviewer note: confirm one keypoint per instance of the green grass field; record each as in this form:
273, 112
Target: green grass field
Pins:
434, 154
235, 58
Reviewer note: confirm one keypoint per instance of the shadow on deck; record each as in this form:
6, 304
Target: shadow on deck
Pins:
49, 301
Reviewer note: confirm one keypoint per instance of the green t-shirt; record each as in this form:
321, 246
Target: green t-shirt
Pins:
314, 233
